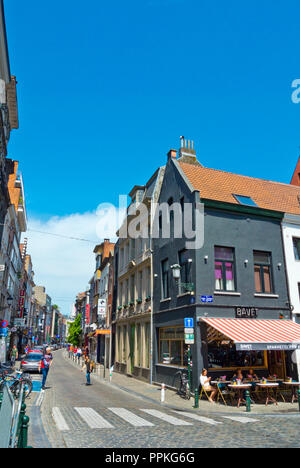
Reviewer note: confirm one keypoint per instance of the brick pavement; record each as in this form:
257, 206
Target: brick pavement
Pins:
174, 401
66, 394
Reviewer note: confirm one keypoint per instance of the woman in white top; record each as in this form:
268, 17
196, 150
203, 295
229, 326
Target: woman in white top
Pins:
205, 383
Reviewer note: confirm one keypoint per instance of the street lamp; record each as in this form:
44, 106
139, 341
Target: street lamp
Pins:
176, 271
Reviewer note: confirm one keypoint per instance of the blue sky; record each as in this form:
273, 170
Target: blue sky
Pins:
105, 89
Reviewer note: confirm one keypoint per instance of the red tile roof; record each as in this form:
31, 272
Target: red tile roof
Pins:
220, 186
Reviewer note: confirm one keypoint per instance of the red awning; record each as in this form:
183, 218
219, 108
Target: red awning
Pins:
258, 334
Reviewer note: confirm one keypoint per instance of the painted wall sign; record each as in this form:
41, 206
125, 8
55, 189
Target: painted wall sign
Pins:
246, 312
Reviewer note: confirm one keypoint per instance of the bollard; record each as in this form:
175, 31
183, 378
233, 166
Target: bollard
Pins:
248, 401
196, 398
299, 398
23, 437
162, 394
1, 398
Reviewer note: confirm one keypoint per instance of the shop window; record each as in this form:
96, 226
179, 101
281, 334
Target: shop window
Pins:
224, 269
172, 349
262, 272
296, 244
222, 354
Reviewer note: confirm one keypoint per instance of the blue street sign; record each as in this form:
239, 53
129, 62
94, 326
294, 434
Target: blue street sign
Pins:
206, 299
188, 323
3, 331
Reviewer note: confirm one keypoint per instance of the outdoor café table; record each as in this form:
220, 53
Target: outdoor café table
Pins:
294, 386
269, 386
240, 389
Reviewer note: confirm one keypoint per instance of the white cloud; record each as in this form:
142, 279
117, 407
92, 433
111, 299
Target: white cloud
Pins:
63, 265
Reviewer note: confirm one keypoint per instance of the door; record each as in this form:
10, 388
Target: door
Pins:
132, 346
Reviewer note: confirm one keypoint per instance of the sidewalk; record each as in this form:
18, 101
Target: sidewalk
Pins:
174, 401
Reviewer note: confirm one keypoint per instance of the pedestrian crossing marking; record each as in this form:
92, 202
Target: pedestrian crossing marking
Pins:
166, 417
130, 417
199, 418
59, 420
241, 419
93, 419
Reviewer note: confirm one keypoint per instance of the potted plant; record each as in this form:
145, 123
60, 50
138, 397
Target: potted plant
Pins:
139, 301
148, 298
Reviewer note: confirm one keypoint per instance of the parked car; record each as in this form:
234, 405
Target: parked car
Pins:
38, 348
31, 361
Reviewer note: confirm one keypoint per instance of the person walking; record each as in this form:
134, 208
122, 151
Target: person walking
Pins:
87, 366
13, 356
45, 364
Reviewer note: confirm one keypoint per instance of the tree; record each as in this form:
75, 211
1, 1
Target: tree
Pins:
75, 332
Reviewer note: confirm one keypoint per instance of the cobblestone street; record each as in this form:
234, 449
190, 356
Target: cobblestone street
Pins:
103, 415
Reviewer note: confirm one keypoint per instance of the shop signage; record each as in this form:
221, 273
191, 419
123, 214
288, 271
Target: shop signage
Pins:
207, 299
102, 332
267, 346
19, 322
246, 312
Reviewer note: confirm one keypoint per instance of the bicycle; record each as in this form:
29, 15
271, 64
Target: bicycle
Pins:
15, 381
184, 389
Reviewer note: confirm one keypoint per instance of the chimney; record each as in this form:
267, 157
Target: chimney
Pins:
172, 154
187, 153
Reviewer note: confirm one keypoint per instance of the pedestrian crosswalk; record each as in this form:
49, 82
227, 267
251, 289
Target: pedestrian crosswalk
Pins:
66, 419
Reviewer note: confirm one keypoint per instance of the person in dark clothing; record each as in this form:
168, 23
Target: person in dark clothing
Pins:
88, 367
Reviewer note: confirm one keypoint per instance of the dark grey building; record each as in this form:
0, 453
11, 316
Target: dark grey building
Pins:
238, 274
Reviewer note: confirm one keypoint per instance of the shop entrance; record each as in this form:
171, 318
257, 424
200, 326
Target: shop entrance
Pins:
276, 363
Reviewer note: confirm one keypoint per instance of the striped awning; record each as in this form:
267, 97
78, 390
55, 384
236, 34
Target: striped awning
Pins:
258, 334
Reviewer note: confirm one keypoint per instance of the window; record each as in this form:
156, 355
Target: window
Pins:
222, 353
296, 243
244, 200
184, 272
165, 279
172, 349
224, 269
132, 288
262, 272
140, 285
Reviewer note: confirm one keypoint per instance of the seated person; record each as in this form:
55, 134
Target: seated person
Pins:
205, 383
251, 375
238, 376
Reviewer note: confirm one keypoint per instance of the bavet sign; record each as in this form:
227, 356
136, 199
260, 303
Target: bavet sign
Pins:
246, 312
